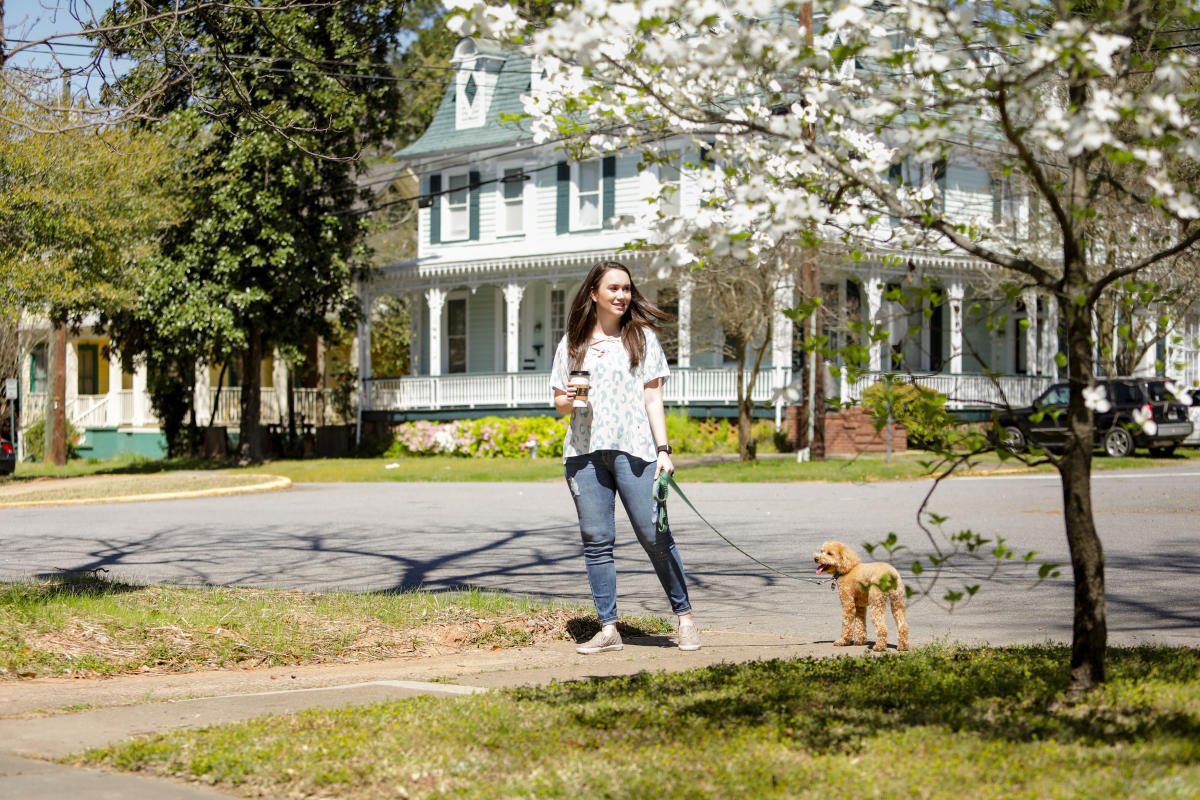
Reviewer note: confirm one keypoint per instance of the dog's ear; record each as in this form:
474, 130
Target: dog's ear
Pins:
846, 557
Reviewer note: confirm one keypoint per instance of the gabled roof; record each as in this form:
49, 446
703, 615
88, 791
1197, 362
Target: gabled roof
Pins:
442, 135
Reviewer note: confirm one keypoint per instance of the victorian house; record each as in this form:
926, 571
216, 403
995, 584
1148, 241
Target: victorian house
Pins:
508, 228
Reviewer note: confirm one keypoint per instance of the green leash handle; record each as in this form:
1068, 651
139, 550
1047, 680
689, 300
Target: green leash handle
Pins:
665, 480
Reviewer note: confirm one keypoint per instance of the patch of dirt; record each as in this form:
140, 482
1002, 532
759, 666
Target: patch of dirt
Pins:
173, 649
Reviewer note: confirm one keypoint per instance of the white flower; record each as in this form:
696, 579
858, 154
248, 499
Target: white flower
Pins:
1181, 394
1145, 418
1096, 398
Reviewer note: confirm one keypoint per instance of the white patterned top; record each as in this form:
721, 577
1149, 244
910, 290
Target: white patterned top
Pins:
615, 418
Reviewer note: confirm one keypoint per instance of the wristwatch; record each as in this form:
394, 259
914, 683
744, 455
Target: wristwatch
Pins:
664, 448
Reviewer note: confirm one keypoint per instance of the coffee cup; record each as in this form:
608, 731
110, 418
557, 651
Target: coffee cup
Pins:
580, 380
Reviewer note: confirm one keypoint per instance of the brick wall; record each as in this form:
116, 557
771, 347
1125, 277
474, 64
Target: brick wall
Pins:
850, 431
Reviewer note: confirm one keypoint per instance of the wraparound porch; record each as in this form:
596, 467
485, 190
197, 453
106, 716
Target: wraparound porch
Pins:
688, 386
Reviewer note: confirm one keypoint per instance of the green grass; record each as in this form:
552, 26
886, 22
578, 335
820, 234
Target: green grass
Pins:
448, 468
126, 486
80, 625
940, 722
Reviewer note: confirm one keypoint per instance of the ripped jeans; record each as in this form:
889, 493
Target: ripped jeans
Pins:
594, 480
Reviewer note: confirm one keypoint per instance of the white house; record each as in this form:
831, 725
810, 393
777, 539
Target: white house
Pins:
508, 228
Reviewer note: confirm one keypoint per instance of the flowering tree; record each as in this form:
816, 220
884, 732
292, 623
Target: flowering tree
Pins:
1086, 102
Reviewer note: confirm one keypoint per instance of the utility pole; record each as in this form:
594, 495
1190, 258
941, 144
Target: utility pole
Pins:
57, 452
811, 287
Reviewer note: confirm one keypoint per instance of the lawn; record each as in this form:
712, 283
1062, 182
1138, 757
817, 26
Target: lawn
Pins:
83, 625
939, 722
912, 465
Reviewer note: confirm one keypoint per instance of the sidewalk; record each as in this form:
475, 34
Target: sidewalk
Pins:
40, 720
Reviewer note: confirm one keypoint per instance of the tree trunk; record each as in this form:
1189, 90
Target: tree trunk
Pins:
1090, 634
59, 421
250, 447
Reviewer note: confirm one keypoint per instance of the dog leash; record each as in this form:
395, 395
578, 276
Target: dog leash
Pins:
666, 479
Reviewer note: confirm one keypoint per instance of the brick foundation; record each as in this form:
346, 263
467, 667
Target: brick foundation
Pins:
850, 431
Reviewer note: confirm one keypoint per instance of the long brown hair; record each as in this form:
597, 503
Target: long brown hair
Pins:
639, 315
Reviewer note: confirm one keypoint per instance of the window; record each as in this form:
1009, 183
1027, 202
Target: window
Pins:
558, 316
1055, 396
457, 208
512, 202
37, 368
89, 369
587, 196
456, 335
669, 185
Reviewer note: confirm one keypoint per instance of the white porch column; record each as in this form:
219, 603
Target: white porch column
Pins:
513, 293
140, 400
201, 394
279, 372
436, 298
112, 402
1030, 299
954, 293
685, 322
72, 393
781, 345
874, 288
1050, 338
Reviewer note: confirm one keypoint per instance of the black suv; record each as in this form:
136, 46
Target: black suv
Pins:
1044, 424
8, 459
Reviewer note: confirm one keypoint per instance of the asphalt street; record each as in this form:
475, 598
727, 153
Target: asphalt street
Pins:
522, 537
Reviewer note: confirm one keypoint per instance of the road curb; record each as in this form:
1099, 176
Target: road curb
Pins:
272, 483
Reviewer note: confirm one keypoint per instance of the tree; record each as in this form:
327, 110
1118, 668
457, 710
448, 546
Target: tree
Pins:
1090, 102
270, 244
77, 210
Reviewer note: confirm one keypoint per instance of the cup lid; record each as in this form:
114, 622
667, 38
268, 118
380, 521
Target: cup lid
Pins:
580, 372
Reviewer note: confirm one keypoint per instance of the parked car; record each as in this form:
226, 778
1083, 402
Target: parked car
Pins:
8, 457
1044, 423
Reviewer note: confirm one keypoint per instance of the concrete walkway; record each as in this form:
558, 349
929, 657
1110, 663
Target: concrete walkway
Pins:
46, 720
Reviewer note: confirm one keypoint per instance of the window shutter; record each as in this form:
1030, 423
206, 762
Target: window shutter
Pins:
435, 209
608, 192
562, 222
473, 185
939, 177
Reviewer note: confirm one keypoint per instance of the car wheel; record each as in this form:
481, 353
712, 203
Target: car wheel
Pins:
1118, 443
1012, 439
1163, 452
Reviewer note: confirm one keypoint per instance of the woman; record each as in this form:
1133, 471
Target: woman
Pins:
617, 443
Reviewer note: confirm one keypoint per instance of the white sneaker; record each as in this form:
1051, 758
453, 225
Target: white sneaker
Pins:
602, 642
689, 636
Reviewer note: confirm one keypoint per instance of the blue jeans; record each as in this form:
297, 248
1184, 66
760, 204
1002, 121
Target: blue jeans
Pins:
595, 479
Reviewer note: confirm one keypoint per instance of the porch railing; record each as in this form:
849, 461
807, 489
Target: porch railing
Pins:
962, 390
312, 406
687, 386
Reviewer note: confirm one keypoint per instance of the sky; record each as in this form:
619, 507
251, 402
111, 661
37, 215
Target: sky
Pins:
34, 19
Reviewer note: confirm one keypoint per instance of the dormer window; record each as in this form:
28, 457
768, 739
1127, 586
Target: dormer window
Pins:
476, 73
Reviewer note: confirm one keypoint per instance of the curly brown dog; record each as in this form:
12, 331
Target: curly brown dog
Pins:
859, 586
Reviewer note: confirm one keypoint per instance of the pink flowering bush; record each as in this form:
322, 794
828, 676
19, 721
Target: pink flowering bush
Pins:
488, 437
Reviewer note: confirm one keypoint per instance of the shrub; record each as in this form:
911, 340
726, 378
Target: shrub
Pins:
487, 437
920, 408
715, 435
35, 441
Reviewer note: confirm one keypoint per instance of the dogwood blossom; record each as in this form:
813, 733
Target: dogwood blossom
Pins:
1096, 398
1179, 392
1144, 418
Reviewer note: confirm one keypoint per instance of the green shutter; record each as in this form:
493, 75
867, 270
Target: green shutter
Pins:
562, 223
473, 203
608, 190
435, 209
